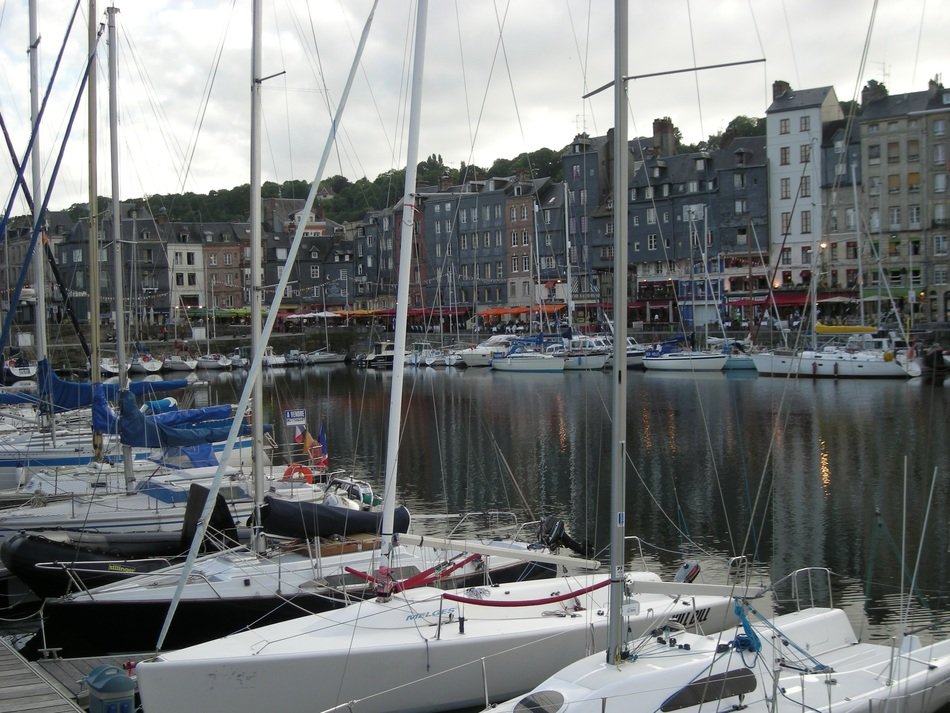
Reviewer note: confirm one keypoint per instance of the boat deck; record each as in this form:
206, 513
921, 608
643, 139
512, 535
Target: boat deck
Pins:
24, 687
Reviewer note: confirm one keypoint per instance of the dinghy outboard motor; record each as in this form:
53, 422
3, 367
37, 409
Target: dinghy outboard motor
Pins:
687, 572
551, 534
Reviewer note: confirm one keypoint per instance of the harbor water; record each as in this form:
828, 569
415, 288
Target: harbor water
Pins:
847, 475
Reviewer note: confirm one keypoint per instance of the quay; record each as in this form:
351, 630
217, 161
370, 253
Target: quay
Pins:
25, 687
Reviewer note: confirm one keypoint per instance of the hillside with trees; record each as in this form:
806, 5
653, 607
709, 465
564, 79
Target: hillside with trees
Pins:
351, 200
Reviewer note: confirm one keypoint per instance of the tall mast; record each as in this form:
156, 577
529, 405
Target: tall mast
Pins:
93, 237
257, 395
402, 292
39, 255
567, 263
857, 232
618, 450
117, 264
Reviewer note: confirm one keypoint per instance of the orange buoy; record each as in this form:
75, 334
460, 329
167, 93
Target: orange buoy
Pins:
296, 470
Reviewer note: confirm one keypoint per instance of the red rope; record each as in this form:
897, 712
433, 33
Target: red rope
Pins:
525, 602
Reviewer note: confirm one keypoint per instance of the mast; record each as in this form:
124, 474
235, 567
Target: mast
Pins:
39, 255
857, 232
93, 237
117, 265
254, 369
618, 449
402, 292
257, 396
567, 263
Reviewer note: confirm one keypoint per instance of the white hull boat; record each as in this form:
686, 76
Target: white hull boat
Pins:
685, 361
423, 650
145, 364
810, 660
213, 361
835, 363
536, 362
179, 363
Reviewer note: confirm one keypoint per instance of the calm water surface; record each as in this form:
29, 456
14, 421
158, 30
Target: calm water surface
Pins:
788, 473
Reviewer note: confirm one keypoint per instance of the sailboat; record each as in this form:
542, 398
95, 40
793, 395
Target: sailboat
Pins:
810, 659
245, 587
420, 648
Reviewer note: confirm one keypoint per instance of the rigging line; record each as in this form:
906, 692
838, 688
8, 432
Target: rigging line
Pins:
791, 45
468, 108
692, 47
499, 45
920, 547
920, 32
205, 101
500, 23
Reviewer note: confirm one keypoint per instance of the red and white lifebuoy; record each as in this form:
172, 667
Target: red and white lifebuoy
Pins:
296, 471
11, 363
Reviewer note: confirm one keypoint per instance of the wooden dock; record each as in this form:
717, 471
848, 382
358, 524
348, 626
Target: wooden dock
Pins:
26, 689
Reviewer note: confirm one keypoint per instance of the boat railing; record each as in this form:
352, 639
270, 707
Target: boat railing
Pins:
802, 588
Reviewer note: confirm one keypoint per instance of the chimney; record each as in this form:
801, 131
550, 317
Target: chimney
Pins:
663, 140
873, 91
444, 182
780, 89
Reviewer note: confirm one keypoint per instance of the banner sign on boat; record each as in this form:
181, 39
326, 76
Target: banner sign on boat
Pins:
295, 417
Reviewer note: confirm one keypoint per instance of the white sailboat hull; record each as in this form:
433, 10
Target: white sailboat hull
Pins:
414, 653
526, 362
858, 677
685, 361
835, 364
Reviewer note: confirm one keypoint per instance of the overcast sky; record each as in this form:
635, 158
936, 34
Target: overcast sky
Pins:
500, 78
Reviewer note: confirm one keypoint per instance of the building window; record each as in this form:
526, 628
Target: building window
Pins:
783, 125
692, 186
804, 153
894, 183
499, 270
913, 216
524, 211
874, 154
940, 154
833, 221
874, 185
805, 186
784, 156
786, 256
806, 221
785, 185
463, 241
514, 263
651, 216
525, 263
315, 272
786, 223
940, 244
741, 206
939, 127
804, 123
895, 217
651, 241
893, 152
524, 237
738, 181
913, 182
940, 275
940, 183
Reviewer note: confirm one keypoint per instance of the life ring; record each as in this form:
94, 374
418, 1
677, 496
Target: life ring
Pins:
11, 363
295, 471
146, 357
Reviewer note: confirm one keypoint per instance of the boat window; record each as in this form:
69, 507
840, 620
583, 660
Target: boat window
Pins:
711, 688
540, 702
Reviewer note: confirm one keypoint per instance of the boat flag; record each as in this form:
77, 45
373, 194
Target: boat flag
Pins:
298, 434
319, 453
